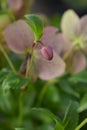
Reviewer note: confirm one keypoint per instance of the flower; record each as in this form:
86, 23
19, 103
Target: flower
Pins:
74, 30
20, 39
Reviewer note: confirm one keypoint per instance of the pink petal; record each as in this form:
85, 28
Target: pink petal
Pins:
83, 31
52, 38
19, 36
49, 69
78, 62
15, 4
83, 24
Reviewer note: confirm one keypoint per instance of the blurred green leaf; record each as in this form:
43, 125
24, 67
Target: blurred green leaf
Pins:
36, 24
83, 103
79, 77
52, 116
58, 126
52, 97
71, 116
3, 74
66, 87
14, 81
21, 129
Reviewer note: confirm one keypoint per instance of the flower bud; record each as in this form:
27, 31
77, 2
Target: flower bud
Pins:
47, 52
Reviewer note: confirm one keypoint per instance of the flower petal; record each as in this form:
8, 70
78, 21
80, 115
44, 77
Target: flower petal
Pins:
83, 29
78, 62
49, 69
15, 4
52, 38
70, 24
19, 36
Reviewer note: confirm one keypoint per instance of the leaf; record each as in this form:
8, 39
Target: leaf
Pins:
21, 129
67, 88
58, 126
71, 116
36, 24
3, 74
52, 116
83, 103
79, 77
14, 82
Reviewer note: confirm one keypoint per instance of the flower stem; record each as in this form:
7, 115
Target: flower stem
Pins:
29, 63
81, 124
7, 58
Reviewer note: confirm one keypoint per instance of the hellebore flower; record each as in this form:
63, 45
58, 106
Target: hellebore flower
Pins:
75, 37
20, 39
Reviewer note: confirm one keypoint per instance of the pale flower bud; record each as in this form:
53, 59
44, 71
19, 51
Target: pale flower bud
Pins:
47, 52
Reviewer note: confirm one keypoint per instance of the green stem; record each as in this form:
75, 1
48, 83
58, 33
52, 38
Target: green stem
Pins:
81, 124
7, 58
29, 63
44, 89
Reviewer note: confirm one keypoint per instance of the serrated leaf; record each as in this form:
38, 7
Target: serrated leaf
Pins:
36, 24
14, 82
52, 116
79, 77
71, 116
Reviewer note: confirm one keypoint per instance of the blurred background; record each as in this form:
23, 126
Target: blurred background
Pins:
52, 7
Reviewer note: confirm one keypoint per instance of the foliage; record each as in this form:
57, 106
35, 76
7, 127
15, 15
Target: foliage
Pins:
44, 85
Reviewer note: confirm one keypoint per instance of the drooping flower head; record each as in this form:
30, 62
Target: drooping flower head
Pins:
20, 39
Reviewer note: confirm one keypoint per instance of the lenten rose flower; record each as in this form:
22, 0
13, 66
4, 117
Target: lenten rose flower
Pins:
74, 29
20, 39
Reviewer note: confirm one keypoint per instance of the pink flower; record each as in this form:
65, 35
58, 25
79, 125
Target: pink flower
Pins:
20, 39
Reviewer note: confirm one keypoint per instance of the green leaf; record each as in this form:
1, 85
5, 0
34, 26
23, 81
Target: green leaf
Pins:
59, 125
71, 116
21, 129
14, 82
3, 74
79, 77
83, 103
67, 88
36, 24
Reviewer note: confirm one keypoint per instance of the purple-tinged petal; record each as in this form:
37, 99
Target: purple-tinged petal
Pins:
49, 69
78, 62
19, 36
47, 52
50, 30
15, 4
70, 24
52, 38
